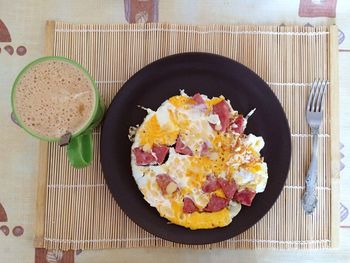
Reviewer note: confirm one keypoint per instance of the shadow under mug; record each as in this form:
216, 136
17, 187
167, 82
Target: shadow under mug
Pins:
80, 143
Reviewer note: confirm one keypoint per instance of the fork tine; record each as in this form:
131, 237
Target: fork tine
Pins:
321, 96
311, 96
316, 96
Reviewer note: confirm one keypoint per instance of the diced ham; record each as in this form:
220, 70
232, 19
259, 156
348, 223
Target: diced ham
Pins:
245, 196
229, 187
189, 206
211, 184
204, 149
144, 158
156, 156
161, 152
216, 204
181, 148
199, 102
222, 109
163, 181
198, 98
238, 124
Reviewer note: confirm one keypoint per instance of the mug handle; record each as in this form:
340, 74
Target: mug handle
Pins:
80, 150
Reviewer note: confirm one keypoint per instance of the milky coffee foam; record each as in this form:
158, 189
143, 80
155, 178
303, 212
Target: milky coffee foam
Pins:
53, 98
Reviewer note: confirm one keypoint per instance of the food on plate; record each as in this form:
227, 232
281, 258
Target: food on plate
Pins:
192, 161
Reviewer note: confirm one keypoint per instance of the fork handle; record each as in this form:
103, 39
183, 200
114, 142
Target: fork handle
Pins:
310, 196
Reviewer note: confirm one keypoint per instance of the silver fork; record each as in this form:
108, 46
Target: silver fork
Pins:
314, 116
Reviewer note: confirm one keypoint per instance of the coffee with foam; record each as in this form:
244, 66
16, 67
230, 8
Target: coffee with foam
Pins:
53, 98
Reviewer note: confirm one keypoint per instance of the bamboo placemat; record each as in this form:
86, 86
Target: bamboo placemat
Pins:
75, 209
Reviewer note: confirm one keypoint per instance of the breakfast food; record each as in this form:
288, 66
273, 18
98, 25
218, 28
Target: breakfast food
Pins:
54, 97
193, 162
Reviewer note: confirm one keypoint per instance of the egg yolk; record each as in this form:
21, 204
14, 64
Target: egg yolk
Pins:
220, 193
215, 100
198, 220
152, 133
181, 101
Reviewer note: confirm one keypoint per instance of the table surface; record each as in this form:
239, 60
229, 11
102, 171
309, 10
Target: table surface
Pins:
25, 22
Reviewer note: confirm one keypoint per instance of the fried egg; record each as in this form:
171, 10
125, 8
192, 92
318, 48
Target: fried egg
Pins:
192, 161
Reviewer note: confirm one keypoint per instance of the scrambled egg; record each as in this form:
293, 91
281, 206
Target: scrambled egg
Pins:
229, 155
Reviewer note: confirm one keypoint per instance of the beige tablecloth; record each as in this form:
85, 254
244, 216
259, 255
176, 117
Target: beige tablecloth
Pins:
21, 40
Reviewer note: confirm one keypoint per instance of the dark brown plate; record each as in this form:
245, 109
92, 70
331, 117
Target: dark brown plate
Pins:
208, 74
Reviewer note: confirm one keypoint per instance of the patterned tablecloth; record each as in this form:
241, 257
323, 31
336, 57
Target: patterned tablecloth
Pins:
22, 40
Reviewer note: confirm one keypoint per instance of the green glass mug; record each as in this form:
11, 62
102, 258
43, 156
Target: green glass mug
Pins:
80, 143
